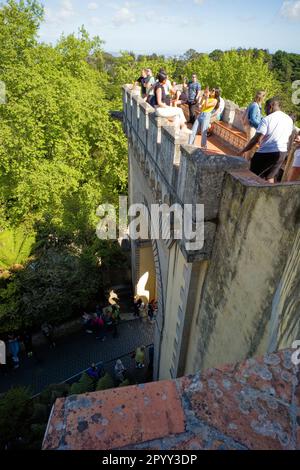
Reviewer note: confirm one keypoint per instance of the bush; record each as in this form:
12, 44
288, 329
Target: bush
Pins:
105, 383
52, 392
125, 383
85, 385
15, 412
40, 413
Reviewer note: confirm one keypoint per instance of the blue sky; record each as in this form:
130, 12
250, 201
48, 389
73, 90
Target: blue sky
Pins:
174, 26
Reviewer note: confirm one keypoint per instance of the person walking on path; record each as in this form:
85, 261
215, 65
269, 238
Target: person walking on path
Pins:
140, 357
87, 321
47, 330
98, 327
93, 372
14, 349
137, 306
115, 319
120, 370
151, 311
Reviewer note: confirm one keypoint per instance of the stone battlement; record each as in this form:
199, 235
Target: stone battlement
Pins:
175, 171
238, 296
180, 173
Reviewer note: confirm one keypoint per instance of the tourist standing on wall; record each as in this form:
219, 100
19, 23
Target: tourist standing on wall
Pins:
252, 119
141, 82
294, 173
209, 103
194, 95
149, 83
273, 137
168, 90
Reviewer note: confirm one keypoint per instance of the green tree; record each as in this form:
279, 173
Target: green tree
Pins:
15, 412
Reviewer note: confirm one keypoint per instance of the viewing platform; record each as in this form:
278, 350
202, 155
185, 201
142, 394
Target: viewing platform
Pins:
237, 296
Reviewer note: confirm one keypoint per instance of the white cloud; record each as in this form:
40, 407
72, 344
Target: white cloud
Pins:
64, 12
199, 2
124, 15
93, 6
291, 9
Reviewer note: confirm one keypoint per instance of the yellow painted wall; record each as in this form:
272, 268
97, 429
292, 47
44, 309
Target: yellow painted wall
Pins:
176, 281
146, 285
191, 357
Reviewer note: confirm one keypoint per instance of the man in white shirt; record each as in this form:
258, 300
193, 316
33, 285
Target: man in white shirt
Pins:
273, 137
294, 174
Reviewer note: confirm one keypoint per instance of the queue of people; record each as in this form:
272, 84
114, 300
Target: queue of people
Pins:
102, 321
142, 310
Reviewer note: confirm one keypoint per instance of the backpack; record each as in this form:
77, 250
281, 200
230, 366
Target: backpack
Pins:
245, 117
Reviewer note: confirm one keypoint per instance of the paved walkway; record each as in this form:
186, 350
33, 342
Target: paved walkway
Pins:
75, 353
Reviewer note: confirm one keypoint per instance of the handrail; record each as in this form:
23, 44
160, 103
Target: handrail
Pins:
72, 379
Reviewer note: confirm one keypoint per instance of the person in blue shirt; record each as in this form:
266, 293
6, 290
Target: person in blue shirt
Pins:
194, 94
254, 117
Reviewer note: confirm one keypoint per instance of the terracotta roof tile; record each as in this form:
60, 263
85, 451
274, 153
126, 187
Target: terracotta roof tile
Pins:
253, 405
116, 418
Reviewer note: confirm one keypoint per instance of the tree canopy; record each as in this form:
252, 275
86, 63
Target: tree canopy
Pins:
61, 154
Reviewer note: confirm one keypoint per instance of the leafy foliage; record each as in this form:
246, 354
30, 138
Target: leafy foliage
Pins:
105, 383
86, 384
15, 411
15, 247
61, 154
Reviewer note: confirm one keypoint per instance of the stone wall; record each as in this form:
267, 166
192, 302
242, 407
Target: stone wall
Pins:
238, 296
250, 303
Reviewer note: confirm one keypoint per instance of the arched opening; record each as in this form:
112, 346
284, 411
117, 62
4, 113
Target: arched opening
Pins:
146, 287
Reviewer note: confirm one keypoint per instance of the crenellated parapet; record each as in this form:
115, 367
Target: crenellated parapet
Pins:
175, 171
